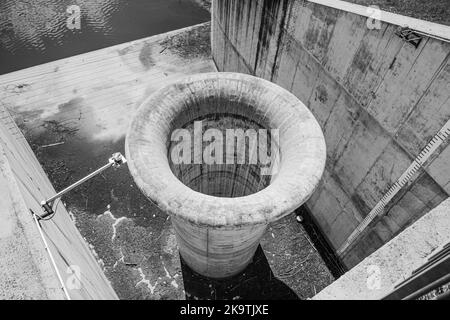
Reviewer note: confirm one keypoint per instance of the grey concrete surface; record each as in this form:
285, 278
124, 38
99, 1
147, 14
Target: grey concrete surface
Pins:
377, 275
26, 269
378, 99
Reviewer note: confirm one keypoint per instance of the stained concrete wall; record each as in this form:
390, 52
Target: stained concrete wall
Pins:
26, 271
378, 98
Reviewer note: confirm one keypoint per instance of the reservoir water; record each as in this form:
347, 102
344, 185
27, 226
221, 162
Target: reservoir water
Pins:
37, 31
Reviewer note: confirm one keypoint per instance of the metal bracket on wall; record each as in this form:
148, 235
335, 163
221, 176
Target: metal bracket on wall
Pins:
115, 161
409, 36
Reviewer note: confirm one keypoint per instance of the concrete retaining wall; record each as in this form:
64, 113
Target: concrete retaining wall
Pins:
26, 271
378, 98
378, 274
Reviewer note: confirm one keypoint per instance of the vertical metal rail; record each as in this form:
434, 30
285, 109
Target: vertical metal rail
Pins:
52, 260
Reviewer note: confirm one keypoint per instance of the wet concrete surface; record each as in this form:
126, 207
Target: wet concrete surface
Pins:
257, 281
133, 240
136, 244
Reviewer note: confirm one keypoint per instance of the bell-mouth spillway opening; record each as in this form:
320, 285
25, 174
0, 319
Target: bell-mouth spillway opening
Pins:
237, 194
224, 154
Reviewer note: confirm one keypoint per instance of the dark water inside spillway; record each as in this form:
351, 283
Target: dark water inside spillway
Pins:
33, 32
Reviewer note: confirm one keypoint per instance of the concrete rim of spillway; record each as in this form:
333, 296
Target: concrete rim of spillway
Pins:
301, 143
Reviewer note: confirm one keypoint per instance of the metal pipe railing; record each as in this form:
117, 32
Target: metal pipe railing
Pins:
47, 205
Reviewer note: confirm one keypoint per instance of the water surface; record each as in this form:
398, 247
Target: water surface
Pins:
37, 31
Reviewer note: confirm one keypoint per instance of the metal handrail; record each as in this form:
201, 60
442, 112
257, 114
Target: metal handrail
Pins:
116, 160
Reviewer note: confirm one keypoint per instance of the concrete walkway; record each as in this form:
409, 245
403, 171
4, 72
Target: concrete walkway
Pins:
379, 273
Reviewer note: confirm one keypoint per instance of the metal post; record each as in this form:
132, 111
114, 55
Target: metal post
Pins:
76, 184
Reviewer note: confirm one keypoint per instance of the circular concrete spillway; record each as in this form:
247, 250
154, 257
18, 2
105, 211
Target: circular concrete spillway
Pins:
220, 210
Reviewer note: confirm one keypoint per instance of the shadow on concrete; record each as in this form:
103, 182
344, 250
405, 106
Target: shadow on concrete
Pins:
257, 281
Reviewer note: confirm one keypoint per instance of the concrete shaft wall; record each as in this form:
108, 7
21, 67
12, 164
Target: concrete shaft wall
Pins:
378, 98
220, 255
26, 271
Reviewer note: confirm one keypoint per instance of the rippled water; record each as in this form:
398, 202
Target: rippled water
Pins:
38, 31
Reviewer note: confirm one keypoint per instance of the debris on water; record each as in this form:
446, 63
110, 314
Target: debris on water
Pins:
52, 144
191, 44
